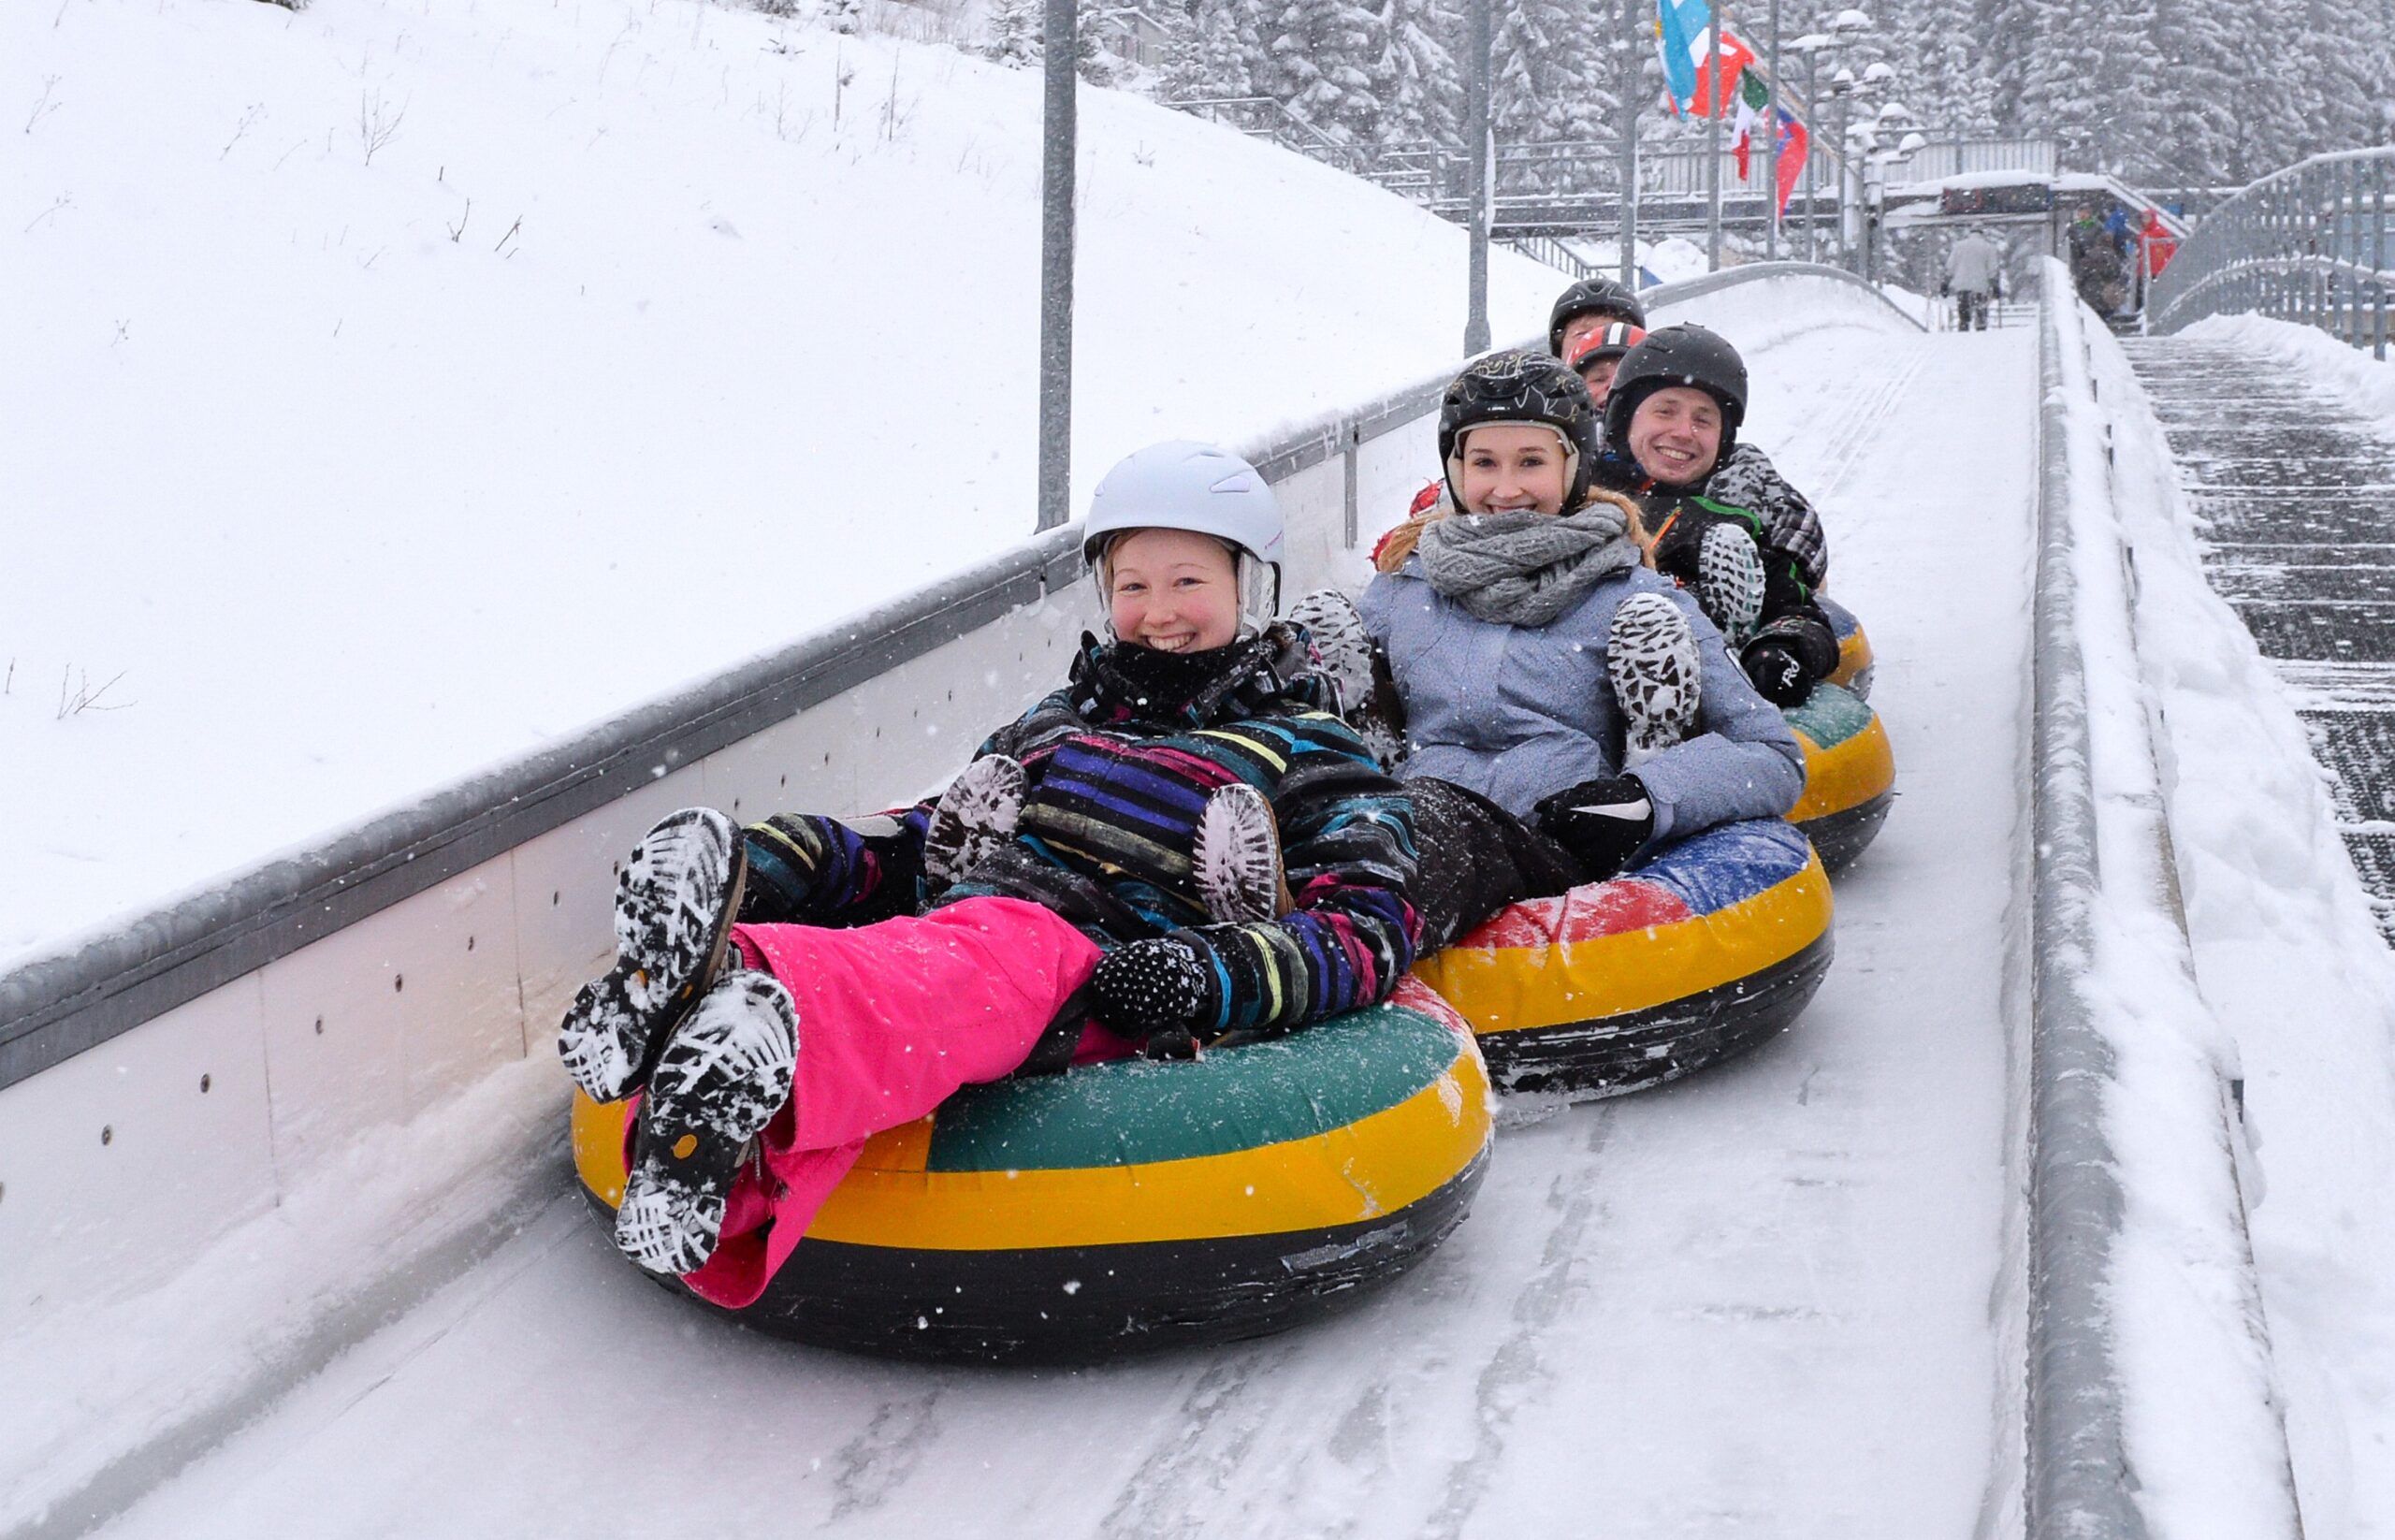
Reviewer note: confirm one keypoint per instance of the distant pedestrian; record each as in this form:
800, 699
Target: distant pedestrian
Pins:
1974, 275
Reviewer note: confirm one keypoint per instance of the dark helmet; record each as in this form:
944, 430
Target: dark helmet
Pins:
1588, 295
1678, 356
1523, 387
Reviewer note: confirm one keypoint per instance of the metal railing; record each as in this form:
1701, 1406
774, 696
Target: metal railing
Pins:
2306, 244
1265, 118
1551, 250
1956, 157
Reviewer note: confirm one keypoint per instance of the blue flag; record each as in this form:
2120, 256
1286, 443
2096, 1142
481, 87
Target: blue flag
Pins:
1682, 26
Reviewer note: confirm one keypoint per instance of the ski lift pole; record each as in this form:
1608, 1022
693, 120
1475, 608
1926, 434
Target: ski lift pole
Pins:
1480, 142
1058, 30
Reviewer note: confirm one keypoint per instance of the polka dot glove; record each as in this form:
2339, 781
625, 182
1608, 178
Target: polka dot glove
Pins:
1158, 993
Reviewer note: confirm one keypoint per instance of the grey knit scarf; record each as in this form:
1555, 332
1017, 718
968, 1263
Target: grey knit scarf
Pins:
1524, 569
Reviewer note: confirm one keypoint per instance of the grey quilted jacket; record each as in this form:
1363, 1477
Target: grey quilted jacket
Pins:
1517, 712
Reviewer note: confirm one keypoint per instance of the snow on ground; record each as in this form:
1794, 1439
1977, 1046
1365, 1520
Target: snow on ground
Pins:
2289, 961
2352, 372
393, 387
1776, 1298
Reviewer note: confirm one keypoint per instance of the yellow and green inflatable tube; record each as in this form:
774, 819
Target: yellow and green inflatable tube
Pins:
1688, 959
1849, 772
1131, 1205
1854, 660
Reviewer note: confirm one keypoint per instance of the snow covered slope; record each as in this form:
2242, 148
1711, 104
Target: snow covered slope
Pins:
393, 387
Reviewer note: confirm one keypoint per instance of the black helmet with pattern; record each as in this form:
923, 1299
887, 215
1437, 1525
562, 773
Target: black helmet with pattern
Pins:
1592, 296
1678, 356
1521, 386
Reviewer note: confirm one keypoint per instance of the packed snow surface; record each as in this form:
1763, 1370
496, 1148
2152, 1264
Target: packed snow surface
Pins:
392, 388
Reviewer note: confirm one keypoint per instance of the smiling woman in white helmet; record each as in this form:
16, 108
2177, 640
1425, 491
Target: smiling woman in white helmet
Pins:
1105, 877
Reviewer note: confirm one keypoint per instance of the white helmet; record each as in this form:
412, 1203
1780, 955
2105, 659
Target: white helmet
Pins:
1183, 485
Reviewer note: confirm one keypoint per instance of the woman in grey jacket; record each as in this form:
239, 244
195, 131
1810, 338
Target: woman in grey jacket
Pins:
1565, 710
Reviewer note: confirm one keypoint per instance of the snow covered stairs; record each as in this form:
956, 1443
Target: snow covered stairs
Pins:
2298, 496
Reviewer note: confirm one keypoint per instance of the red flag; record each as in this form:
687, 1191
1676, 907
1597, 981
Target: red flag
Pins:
1790, 167
1734, 58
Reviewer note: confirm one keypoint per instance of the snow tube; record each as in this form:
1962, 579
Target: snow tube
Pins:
1849, 772
1697, 954
1132, 1205
1854, 660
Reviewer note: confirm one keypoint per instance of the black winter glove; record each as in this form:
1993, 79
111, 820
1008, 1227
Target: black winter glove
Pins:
1945, 288
1776, 671
1602, 823
1995, 288
1156, 993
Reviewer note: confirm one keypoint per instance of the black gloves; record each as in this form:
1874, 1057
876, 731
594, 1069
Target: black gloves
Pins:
1778, 672
1602, 823
1160, 994
1945, 287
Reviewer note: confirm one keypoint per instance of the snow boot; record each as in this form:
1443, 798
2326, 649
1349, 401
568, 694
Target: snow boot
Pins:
975, 816
674, 901
1652, 665
725, 1072
1729, 583
1341, 643
1237, 857
1367, 702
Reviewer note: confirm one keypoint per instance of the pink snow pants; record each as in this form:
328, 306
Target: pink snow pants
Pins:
893, 1018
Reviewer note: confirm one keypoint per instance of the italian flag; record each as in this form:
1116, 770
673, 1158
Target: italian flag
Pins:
1754, 99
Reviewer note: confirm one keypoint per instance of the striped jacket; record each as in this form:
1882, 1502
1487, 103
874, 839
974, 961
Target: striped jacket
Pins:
1119, 763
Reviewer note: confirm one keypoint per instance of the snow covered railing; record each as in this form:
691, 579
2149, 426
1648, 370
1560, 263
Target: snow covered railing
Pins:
2149, 1397
2306, 244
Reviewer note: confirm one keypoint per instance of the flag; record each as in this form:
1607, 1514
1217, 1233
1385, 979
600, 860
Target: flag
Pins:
1733, 59
1790, 167
1754, 98
1682, 28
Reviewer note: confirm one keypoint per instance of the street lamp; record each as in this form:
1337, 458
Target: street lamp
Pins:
1812, 46
1849, 26
1842, 87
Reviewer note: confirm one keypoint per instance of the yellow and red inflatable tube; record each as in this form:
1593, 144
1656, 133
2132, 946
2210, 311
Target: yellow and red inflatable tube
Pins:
1696, 956
1130, 1205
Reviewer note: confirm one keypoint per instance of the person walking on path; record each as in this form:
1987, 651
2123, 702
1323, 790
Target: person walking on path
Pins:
1974, 274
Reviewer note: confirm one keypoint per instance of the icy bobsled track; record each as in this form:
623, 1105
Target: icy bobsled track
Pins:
1778, 1298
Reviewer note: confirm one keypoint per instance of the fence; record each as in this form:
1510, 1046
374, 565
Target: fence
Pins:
2306, 244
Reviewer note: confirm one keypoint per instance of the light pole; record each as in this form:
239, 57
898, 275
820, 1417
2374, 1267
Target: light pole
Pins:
1842, 87
1771, 138
1478, 132
1812, 46
1714, 103
1630, 93
1849, 26
1060, 23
